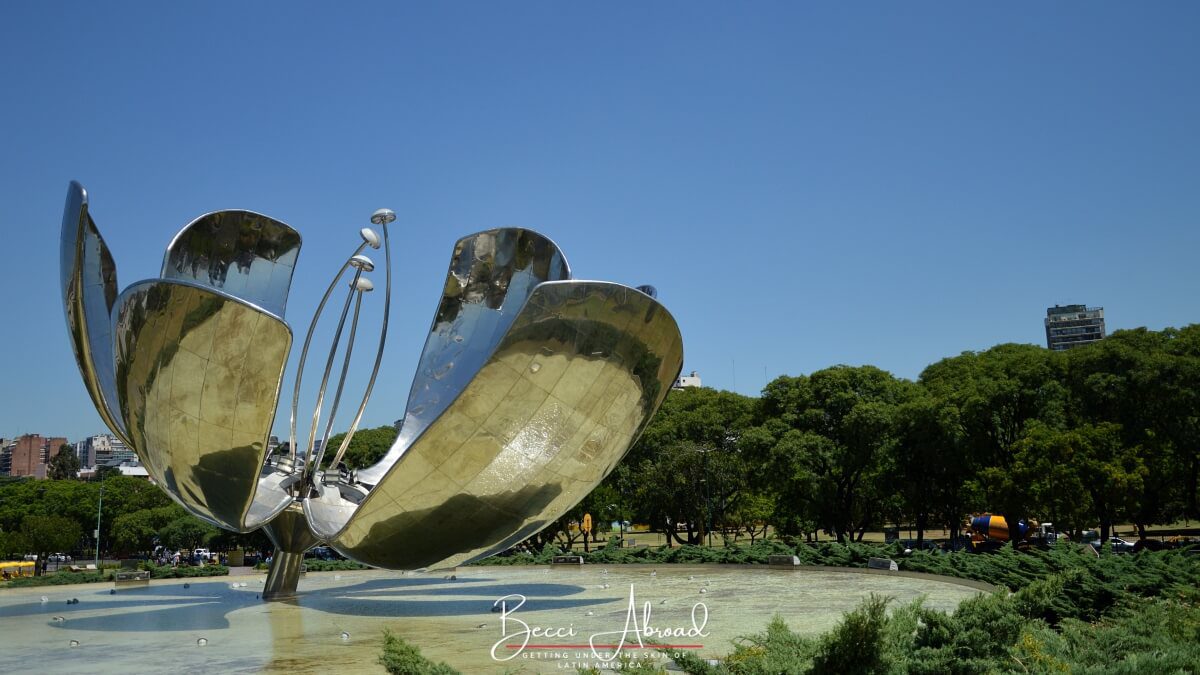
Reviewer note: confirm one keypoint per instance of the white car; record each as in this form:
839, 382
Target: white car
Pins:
1118, 544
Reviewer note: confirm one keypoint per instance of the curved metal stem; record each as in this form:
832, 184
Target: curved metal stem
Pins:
337, 396
304, 352
337, 338
387, 305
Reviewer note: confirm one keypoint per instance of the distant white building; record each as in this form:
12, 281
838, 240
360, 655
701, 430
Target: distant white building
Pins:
685, 381
103, 449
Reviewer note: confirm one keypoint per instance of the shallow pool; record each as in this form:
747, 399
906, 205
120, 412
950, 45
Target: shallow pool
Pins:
550, 620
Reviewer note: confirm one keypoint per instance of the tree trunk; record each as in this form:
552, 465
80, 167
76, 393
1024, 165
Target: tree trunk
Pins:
1014, 530
920, 529
1191, 486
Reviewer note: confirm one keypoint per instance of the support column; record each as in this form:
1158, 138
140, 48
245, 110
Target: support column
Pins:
283, 576
291, 536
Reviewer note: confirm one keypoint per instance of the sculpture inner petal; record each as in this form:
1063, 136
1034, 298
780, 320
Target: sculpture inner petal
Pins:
566, 393
245, 254
491, 274
89, 288
198, 375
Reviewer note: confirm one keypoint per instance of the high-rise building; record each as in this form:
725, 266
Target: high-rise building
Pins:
103, 449
6, 448
1069, 326
32, 452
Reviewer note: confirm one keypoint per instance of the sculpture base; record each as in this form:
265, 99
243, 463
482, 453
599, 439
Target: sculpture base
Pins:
284, 575
291, 536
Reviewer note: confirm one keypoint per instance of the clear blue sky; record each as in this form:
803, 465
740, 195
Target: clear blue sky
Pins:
807, 184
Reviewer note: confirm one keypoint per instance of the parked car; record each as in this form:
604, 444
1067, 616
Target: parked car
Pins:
60, 557
322, 553
926, 545
1118, 544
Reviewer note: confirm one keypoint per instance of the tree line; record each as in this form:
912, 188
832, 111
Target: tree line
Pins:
1101, 434
51, 516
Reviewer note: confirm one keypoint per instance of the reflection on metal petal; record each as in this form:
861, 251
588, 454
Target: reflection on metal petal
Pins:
564, 395
530, 389
198, 378
245, 254
89, 288
197, 410
491, 274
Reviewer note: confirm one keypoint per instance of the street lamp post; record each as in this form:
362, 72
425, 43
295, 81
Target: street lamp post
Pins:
707, 500
99, 508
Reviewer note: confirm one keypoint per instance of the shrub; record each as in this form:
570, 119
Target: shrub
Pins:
401, 658
168, 572
318, 565
60, 579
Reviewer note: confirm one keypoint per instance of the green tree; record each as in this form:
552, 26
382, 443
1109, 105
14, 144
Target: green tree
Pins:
923, 470
367, 447
63, 465
187, 532
104, 472
687, 469
998, 393
1147, 383
1049, 462
830, 432
136, 531
49, 534
688, 488
750, 513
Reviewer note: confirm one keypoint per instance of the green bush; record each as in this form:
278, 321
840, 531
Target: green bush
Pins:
986, 634
401, 658
60, 579
168, 572
318, 565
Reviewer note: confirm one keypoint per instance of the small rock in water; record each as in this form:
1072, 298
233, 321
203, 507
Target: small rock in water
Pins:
74, 643
45, 599
112, 591
654, 574
482, 625
590, 613
691, 578
187, 585
200, 642
345, 636
703, 590
58, 619
453, 577
606, 585
663, 602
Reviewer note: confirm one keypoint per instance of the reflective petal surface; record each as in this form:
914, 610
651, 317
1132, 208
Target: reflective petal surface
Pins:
245, 254
491, 275
89, 288
197, 377
566, 393
530, 389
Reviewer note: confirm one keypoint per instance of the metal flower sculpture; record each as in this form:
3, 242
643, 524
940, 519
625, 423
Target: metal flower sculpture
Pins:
530, 389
